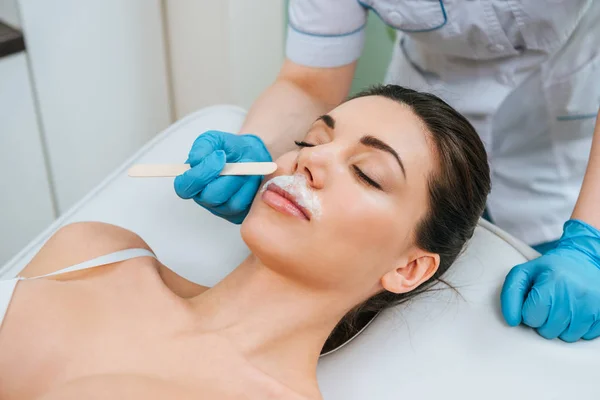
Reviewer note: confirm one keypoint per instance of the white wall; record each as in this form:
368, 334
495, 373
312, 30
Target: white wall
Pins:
197, 42
25, 201
256, 47
224, 51
9, 13
99, 69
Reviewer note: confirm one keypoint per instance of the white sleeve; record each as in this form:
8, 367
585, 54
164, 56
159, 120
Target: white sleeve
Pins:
325, 33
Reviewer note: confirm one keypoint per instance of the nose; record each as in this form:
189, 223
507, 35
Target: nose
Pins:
314, 163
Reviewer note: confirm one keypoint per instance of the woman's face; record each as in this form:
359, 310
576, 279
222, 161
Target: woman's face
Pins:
342, 210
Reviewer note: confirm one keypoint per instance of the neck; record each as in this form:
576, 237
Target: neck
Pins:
275, 322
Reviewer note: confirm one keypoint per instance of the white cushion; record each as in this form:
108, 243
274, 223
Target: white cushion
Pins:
441, 345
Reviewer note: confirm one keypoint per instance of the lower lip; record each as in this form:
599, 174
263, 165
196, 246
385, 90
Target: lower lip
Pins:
281, 204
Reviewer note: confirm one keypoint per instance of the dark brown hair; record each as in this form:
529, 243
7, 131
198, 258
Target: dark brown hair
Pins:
457, 195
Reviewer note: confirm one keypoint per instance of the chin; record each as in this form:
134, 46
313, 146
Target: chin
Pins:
276, 240
265, 232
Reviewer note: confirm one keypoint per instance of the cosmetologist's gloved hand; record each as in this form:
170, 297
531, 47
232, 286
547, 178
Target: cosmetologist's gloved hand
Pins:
559, 293
228, 197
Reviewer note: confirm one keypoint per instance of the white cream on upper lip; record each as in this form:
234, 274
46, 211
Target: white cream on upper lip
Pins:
297, 186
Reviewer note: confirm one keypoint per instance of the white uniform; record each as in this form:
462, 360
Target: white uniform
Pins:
525, 72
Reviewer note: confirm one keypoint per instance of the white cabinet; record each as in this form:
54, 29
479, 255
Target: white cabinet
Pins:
100, 74
225, 51
89, 91
25, 199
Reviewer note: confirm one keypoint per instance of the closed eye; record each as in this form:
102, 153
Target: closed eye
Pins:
359, 173
365, 178
303, 144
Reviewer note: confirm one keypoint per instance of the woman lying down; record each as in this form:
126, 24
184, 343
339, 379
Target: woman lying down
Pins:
388, 188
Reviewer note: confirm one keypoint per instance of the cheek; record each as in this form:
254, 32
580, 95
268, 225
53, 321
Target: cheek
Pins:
368, 228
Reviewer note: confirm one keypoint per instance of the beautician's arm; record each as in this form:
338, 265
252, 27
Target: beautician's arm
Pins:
285, 111
588, 204
558, 294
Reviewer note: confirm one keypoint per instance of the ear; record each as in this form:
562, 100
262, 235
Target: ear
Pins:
408, 277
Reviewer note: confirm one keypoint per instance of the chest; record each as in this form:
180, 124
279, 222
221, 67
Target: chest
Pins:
124, 323
121, 322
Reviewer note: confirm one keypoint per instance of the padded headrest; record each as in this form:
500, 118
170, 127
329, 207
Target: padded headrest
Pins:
443, 344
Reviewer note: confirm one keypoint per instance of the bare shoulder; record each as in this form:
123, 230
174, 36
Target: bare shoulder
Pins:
79, 242
132, 387
82, 241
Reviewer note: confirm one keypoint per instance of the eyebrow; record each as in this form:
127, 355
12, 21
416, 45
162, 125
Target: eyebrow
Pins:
328, 120
369, 141
378, 144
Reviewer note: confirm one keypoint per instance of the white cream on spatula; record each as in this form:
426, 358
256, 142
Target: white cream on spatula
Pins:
171, 170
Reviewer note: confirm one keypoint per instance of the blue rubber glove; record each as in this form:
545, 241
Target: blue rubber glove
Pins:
228, 197
559, 293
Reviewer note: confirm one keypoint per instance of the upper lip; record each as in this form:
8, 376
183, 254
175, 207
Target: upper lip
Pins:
274, 188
